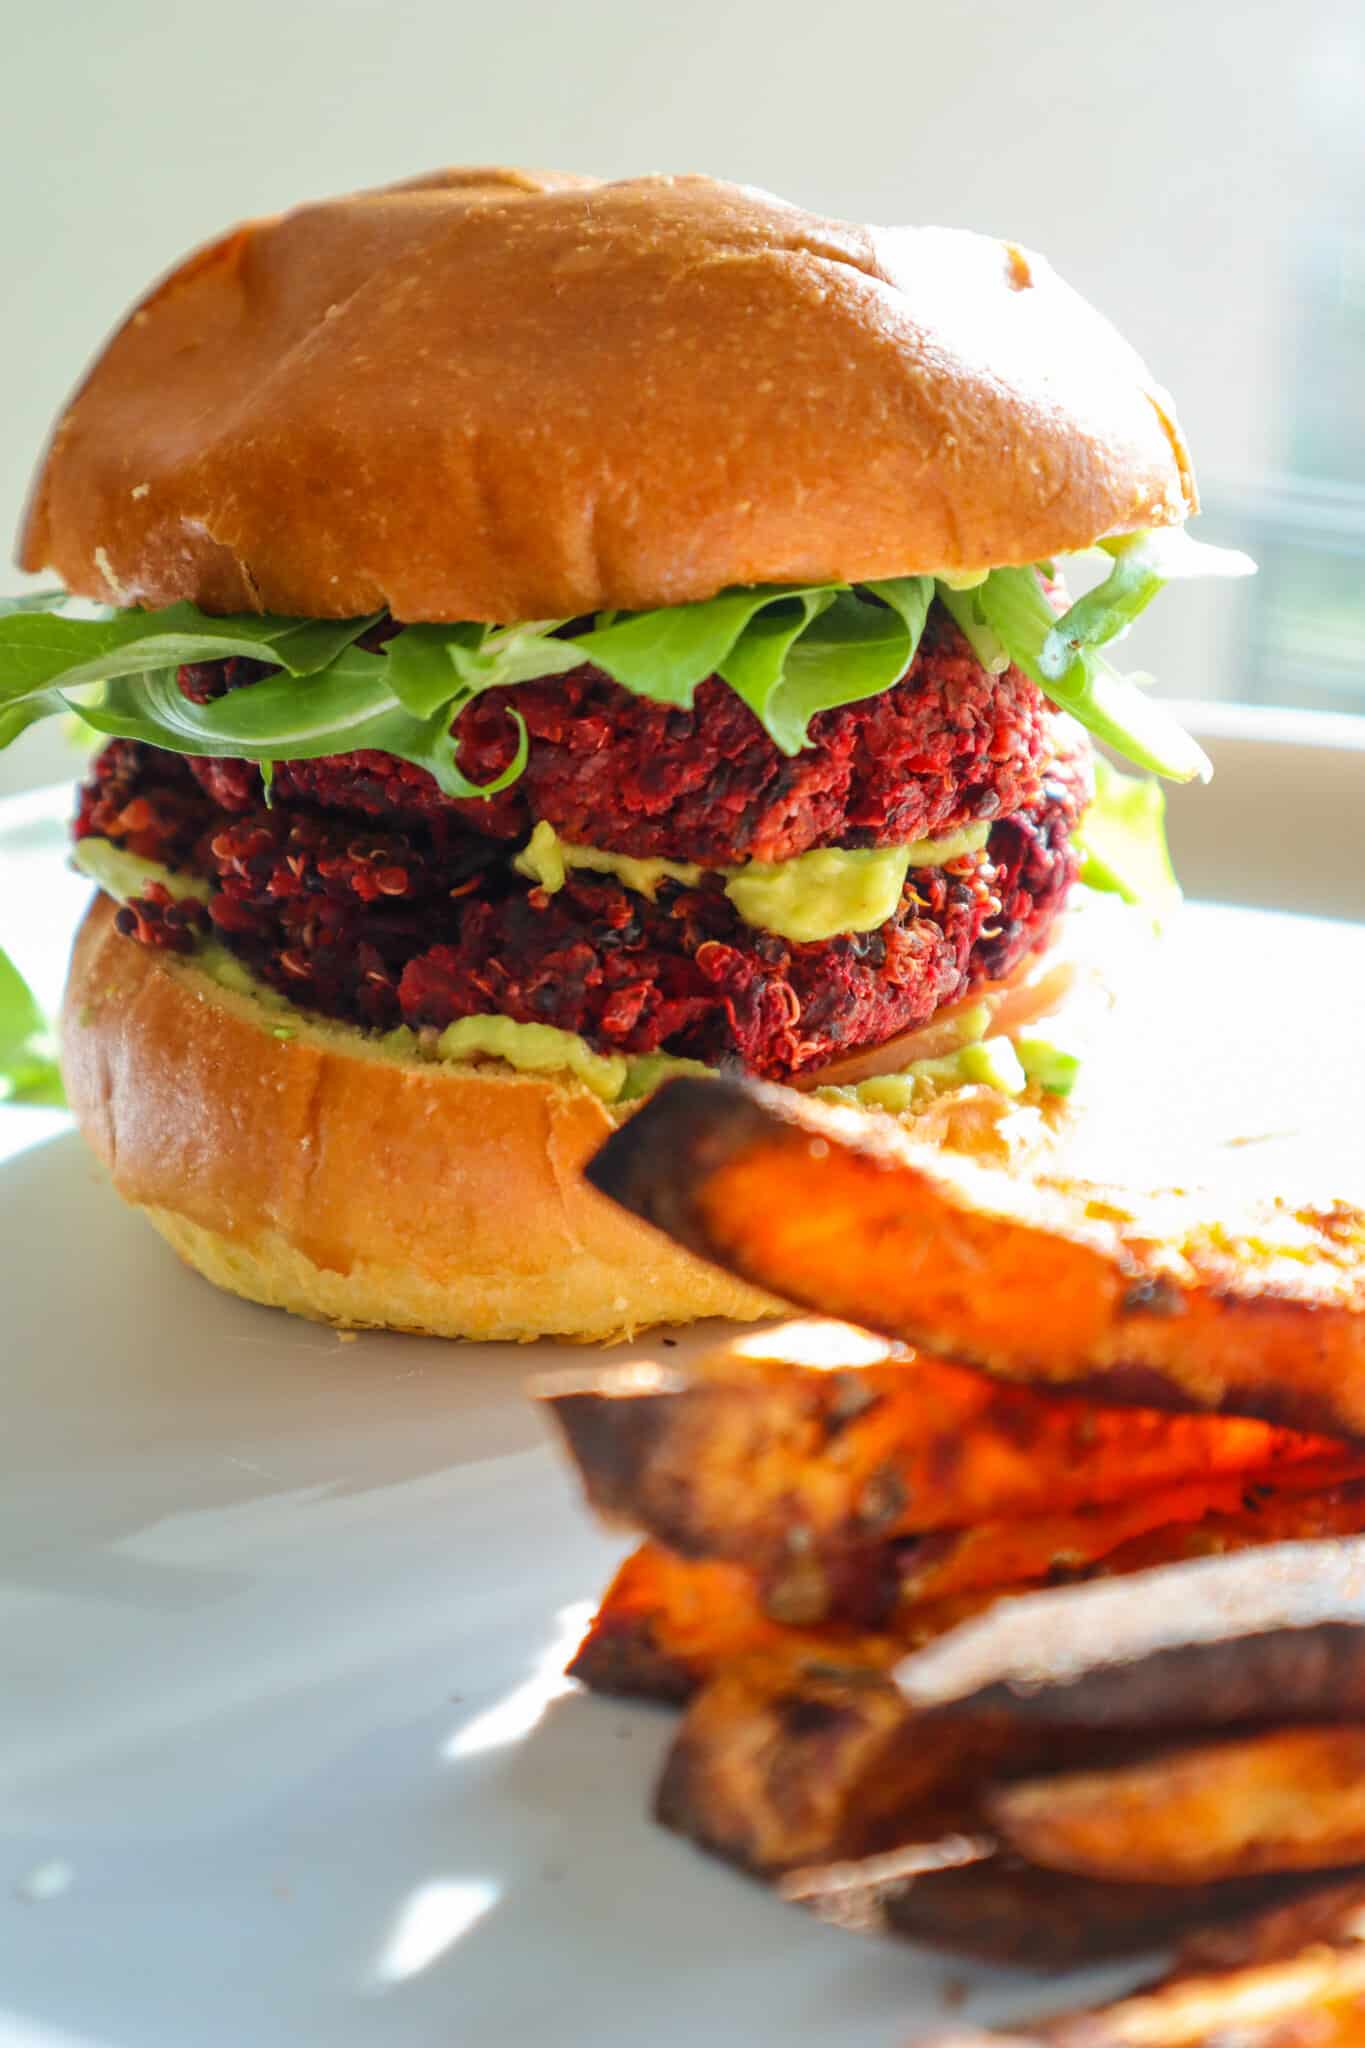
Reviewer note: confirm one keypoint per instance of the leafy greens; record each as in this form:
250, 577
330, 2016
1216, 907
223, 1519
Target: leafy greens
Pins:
788, 652
1121, 840
1142, 563
28, 1058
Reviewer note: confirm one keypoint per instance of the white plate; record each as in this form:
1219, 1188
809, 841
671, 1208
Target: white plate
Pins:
283, 1739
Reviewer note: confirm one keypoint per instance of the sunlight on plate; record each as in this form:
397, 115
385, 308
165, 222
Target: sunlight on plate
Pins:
518, 1711
430, 1920
813, 1341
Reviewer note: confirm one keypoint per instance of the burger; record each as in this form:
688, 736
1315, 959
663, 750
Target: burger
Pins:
546, 634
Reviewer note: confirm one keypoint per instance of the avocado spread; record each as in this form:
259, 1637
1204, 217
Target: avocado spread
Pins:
530, 1048
993, 1061
122, 874
812, 897
617, 1077
546, 860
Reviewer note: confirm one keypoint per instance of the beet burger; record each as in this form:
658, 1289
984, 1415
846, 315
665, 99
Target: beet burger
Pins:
547, 632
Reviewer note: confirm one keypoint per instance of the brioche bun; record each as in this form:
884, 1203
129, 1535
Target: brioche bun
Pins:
503, 395
291, 1162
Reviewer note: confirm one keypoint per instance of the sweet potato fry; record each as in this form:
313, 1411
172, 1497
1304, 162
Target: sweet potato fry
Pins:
1269, 1514
794, 1756
1279, 1800
1294, 1977
1272, 1633
750, 1450
1331, 1913
668, 1625
800, 1751
787, 1759
1183, 1520
1005, 1911
1142, 1299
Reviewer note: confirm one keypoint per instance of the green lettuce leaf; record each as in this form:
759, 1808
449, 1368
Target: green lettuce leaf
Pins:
28, 1054
788, 653
1122, 841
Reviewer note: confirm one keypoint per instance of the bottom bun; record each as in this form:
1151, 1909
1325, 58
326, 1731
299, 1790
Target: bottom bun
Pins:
293, 1162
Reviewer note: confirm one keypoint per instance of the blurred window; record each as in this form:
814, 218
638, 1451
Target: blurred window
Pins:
1305, 619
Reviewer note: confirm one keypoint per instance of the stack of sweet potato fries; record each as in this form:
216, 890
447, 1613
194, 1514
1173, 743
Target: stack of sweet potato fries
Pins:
1032, 1625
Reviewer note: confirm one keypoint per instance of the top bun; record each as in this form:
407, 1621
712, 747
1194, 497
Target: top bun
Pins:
495, 394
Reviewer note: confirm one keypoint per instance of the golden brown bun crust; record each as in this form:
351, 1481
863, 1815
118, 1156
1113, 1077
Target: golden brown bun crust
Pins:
362, 1190
508, 394
359, 1190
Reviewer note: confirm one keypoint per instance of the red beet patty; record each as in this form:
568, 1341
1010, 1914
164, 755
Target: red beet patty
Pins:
948, 745
420, 920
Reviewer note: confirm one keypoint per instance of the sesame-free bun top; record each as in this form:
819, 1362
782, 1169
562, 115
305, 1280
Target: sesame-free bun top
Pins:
497, 394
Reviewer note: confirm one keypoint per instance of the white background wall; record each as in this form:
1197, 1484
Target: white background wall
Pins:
1163, 154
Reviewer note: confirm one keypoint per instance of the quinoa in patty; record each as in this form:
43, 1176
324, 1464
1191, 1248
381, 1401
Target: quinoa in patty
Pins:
384, 913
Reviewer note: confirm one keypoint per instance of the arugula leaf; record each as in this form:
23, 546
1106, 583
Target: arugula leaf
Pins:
788, 652
37, 648
1122, 841
28, 1060
665, 654
961, 603
850, 650
755, 666
404, 698
1176, 556
1013, 604
422, 672
911, 597
1101, 615
16, 718
1143, 564
276, 715
509, 655
348, 707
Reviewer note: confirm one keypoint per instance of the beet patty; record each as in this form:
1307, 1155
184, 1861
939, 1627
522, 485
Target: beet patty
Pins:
948, 745
426, 921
